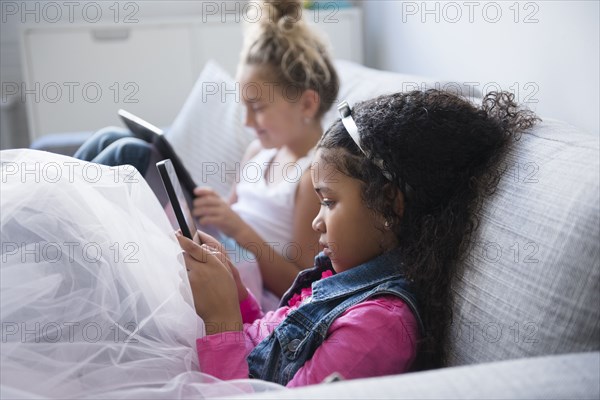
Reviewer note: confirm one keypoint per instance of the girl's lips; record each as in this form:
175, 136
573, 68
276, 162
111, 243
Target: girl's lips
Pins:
326, 249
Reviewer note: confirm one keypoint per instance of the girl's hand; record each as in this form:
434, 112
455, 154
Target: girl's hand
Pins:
214, 244
213, 286
211, 209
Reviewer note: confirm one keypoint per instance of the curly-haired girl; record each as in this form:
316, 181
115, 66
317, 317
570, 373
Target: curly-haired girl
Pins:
399, 178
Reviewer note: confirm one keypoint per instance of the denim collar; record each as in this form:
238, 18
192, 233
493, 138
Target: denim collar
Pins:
382, 268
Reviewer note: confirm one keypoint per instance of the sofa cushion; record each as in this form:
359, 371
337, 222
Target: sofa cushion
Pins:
571, 376
531, 284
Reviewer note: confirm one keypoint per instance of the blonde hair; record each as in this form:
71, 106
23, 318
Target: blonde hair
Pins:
295, 56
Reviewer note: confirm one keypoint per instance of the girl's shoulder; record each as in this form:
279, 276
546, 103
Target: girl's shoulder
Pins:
258, 154
379, 312
252, 150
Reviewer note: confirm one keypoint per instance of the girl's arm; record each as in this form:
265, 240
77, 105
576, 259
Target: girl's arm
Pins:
224, 355
249, 308
374, 338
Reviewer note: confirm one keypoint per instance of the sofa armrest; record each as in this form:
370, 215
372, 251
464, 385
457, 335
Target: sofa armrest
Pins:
61, 143
573, 376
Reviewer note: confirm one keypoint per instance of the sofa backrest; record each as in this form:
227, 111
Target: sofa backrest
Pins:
531, 283
359, 83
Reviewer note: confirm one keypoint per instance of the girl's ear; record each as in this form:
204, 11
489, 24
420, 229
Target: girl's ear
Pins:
395, 197
310, 102
399, 203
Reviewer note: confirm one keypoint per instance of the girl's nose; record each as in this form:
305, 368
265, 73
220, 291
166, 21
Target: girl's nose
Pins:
249, 120
318, 224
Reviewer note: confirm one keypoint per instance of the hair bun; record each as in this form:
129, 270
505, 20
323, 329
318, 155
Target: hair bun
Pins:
280, 9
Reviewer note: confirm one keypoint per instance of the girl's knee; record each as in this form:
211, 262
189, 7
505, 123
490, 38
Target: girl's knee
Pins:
112, 130
111, 134
131, 151
129, 146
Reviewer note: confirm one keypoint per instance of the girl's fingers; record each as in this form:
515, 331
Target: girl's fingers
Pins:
207, 210
203, 190
209, 220
194, 250
207, 201
216, 252
201, 253
202, 204
210, 241
189, 261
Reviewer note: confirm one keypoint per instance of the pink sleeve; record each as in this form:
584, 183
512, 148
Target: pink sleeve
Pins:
250, 309
223, 355
374, 338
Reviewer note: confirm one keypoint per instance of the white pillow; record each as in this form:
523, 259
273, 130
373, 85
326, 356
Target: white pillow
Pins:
208, 134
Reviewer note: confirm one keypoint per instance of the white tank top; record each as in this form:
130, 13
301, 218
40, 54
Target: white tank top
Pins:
267, 207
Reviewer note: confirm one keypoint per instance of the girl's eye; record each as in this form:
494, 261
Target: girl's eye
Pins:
327, 203
257, 107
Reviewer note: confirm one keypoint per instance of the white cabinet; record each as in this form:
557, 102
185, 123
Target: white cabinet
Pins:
77, 75
76, 78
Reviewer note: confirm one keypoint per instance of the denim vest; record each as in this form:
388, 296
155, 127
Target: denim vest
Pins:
294, 341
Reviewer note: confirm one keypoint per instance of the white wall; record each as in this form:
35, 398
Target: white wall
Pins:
547, 53
16, 15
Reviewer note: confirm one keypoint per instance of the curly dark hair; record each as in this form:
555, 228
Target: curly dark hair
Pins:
447, 151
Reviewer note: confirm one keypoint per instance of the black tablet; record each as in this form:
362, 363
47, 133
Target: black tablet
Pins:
179, 205
151, 134
139, 127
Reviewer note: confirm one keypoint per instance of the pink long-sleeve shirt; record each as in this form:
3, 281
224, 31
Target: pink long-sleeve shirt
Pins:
373, 338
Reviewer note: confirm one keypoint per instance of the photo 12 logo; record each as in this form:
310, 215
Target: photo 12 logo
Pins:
254, 11
68, 332
453, 12
70, 92
498, 332
67, 171
70, 11
524, 93
54, 252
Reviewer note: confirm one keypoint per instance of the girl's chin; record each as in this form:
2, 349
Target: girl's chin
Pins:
335, 263
265, 142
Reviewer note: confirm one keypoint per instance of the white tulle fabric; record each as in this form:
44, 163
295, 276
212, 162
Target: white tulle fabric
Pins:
95, 301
